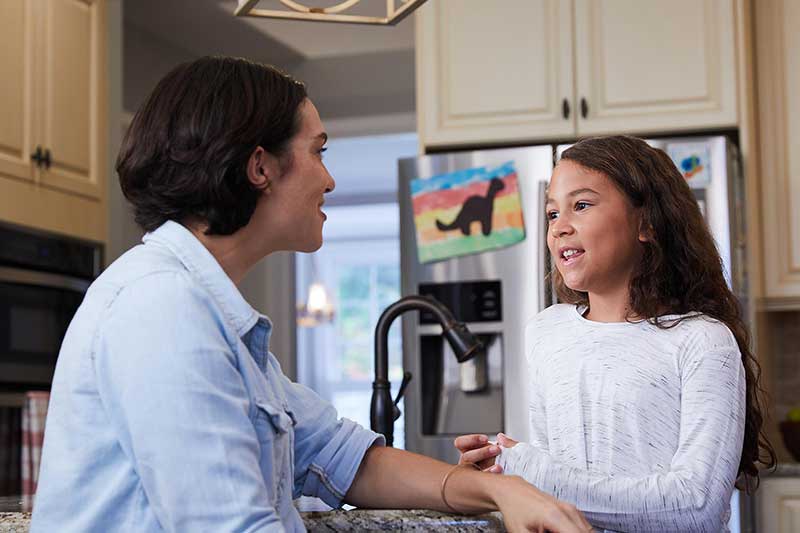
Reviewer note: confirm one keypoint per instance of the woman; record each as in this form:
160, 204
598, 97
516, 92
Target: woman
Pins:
168, 412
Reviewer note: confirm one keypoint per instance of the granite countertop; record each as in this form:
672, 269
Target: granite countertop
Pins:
366, 520
784, 470
355, 520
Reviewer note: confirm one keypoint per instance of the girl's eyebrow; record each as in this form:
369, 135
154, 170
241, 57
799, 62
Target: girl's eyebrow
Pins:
576, 192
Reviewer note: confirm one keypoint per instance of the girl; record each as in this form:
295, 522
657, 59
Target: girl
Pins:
644, 403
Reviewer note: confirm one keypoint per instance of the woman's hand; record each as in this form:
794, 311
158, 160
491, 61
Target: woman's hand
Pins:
477, 449
525, 508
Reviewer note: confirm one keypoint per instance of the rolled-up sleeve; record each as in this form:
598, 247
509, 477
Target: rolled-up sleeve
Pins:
328, 450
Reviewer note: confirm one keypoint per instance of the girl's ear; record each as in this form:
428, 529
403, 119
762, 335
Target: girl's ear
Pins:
645, 230
262, 169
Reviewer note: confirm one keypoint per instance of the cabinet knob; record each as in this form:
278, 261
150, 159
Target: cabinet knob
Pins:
584, 108
565, 108
37, 156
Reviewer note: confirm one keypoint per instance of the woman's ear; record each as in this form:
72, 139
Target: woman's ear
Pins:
262, 169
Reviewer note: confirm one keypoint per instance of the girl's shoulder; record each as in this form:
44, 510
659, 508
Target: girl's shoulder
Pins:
555, 314
706, 333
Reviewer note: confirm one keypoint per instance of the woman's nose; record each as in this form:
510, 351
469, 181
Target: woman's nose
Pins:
331, 184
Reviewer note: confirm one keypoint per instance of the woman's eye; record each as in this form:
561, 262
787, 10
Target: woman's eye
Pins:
322, 151
580, 206
551, 215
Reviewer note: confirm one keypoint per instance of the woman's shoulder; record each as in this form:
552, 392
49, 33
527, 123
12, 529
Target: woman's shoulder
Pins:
148, 280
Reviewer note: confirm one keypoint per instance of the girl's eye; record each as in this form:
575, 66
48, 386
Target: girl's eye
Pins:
322, 151
551, 215
580, 206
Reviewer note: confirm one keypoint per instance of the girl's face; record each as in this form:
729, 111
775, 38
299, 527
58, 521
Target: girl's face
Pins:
593, 232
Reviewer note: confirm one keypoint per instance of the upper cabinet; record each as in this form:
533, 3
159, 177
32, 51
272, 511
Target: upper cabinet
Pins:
16, 89
653, 66
778, 65
494, 72
72, 94
53, 103
531, 70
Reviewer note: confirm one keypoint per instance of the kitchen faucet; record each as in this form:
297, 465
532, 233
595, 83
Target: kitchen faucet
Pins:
384, 411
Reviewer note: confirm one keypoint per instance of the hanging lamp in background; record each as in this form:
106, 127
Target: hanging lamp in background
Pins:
343, 11
318, 307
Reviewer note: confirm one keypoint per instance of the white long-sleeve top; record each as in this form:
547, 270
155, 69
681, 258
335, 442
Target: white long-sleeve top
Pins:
641, 428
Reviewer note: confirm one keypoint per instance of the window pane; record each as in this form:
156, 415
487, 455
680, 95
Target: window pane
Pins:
354, 283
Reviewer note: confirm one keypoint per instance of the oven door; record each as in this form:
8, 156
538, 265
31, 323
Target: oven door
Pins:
35, 310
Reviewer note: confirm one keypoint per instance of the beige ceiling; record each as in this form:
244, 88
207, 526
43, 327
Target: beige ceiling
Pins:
350, 70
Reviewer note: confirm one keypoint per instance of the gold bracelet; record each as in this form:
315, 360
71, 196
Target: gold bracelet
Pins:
447, 476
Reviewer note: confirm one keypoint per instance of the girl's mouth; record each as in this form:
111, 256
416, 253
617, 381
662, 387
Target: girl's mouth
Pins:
570, 255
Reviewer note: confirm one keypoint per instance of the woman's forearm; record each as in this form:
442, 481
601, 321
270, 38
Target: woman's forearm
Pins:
396, 479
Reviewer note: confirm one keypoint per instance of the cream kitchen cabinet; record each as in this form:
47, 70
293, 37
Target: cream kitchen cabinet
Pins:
532, 70
53, 103
778, 502
778, 67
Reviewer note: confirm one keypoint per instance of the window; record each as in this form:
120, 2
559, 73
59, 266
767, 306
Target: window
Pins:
360, 267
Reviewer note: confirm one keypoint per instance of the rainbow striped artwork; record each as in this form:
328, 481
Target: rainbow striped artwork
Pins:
466, 212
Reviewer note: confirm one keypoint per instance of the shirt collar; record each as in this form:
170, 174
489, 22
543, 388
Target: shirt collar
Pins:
208, 272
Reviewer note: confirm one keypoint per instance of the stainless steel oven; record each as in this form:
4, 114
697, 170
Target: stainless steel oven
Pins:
43, 279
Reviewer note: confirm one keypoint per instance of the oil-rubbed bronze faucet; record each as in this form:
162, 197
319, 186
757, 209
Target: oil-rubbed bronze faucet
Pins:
384, 411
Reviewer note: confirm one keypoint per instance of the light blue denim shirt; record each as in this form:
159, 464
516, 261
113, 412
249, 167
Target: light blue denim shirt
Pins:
169, 413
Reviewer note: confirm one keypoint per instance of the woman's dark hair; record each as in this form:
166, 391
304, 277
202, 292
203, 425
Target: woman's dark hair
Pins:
681, 270
185, 154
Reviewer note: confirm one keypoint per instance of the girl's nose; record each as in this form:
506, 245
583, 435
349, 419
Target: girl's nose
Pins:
560, 226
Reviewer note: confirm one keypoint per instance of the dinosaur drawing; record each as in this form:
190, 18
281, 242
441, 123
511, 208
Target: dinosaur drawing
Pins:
475, 208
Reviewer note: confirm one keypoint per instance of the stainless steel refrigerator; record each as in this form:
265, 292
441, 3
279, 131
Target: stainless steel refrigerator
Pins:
498, 290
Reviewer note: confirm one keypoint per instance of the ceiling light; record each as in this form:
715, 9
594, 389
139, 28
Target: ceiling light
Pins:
317, 310
396, 10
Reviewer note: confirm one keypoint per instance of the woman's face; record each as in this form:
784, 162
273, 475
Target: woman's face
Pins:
593, 232
293, 203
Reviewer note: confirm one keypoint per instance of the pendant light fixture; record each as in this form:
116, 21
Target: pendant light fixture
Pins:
318, 307
344, 11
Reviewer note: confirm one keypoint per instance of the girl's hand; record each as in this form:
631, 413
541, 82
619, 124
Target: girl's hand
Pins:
505, 441
525, 508
477, 449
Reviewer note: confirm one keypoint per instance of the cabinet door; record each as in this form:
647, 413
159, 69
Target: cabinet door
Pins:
490, 72
779, 502
16, 89
73, 95
649, 65
778, 59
